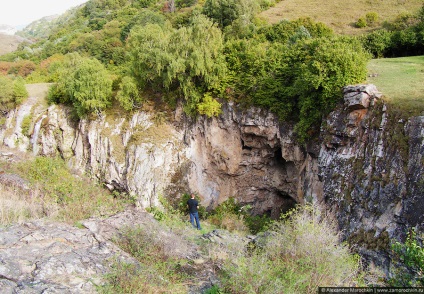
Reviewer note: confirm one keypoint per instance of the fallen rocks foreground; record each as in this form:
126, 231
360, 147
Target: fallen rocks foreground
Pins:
51, 257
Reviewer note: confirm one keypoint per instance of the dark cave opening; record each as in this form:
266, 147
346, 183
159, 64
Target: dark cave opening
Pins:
279, 160
244, 147
286, 203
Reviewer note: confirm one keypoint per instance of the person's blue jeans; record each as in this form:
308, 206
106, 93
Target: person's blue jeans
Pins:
194, 216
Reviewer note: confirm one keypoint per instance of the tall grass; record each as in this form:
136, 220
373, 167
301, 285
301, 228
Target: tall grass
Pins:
302, 253
18, 206
158, 270
54, 193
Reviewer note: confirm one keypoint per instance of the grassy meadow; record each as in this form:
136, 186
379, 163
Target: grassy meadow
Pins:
401, 80
341, 15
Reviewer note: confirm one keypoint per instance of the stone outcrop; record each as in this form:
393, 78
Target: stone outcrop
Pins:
251, 156
46, 257
371, 167
40, 257
247, 154
366, 168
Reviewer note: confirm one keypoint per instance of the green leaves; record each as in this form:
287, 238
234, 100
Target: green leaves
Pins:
83, 82
410, 254
91, 87
12, 93
209, 106
188, 59
128, 95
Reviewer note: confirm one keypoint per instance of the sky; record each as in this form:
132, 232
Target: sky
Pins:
23, 12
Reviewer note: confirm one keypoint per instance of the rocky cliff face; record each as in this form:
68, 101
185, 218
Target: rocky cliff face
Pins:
371, 164
367, 168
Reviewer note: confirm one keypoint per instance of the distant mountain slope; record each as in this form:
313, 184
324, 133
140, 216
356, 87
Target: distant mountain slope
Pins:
39, 28
9, 43
340, 15
6, 29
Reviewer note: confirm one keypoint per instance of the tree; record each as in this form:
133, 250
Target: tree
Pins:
90, 88
12, 93
128, 95
19, 90
322, 67
188, 60
83, 83
225, 12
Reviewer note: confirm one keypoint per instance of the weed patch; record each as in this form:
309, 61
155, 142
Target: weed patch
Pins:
63, 196
302, 252
158, 271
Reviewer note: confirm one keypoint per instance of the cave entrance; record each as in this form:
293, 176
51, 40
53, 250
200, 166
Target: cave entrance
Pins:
282, 204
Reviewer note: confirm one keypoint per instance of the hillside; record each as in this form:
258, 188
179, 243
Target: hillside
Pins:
9, 43
340, 15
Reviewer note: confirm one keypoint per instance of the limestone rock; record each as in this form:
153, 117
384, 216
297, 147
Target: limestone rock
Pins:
40, 257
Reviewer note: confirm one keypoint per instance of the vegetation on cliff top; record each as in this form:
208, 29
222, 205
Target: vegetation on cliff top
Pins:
204, 53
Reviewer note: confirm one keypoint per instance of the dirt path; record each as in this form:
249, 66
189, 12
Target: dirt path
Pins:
39, 90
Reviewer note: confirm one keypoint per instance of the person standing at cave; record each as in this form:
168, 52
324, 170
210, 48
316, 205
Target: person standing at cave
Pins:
193, 206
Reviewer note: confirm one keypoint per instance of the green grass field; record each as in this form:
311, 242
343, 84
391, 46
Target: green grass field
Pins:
401, 80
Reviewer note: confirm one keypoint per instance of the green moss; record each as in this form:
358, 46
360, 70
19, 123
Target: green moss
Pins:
367, 239
26, 124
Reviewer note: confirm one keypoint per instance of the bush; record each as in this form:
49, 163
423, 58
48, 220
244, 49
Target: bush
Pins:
158, 272
377, 42
128, 95
26, 124
183, 208
75, 199
301, 253
361, 23
371, 18
410, 255
12, 93
209, 106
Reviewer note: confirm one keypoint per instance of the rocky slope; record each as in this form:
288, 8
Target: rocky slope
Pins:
366, 169
46, 257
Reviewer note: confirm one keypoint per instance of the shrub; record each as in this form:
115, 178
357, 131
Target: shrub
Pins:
361, 23
12, 93
377, 42
301, 253
371, 18
74, 198
128, 95
209, 106
410, 255
158, 272
183, 208
26, 124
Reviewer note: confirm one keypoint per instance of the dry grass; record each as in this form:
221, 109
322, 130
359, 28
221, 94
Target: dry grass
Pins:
38, 90
9, 43
299, 255
18, 206
338, 14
